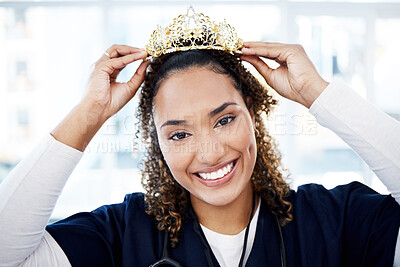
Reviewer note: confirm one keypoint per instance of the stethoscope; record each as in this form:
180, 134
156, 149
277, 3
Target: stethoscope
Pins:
166, 260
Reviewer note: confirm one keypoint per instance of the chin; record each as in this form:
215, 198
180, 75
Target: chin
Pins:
221, 196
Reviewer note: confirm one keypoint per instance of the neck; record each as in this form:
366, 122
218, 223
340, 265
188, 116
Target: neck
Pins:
229, 219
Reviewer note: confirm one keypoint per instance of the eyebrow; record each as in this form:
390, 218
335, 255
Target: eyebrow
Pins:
210, 114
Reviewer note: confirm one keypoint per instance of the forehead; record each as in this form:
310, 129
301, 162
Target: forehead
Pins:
192, 92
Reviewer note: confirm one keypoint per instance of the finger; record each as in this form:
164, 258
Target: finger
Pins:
138, 77
275, 51
260, 66
249, 51
118, 51
257, 44
114, 64
115, 74
122, 50
264, 51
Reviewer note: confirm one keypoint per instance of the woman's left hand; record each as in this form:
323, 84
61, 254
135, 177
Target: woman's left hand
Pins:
296, 78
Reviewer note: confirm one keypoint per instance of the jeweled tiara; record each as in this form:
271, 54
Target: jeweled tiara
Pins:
193, 31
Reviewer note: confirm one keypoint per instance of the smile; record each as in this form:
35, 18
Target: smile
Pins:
217, 174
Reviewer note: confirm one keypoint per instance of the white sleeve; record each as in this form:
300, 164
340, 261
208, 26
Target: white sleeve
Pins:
48, 253
371, 133
27, 198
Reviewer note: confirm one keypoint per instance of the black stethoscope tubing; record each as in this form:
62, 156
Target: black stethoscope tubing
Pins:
166, 260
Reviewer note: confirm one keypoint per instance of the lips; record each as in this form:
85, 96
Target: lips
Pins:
221, 174
217, 167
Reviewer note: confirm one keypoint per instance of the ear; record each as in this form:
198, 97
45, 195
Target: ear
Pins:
249, 101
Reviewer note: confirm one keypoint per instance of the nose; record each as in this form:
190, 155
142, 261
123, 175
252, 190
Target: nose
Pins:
210, 149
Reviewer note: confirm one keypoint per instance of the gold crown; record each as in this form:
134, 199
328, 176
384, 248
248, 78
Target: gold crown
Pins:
193, 31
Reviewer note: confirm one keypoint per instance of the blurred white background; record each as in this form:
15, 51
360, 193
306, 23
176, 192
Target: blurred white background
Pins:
48, 47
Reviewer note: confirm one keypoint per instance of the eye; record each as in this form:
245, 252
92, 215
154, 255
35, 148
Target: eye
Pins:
225, 120
178, 136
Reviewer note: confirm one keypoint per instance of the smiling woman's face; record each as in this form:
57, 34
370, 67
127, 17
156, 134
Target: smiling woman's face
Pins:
206, 134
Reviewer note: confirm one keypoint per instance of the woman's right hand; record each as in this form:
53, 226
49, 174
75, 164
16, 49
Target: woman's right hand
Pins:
104, 96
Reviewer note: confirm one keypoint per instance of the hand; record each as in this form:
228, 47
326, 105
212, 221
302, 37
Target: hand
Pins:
296, 78
105, 95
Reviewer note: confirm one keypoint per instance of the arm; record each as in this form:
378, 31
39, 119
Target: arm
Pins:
30, 191
371, 133
28, 196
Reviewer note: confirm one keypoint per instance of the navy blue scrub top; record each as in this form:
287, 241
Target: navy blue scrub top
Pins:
350, 225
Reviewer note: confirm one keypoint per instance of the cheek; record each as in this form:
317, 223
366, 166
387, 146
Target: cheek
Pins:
177, 159
246, 144
242, 137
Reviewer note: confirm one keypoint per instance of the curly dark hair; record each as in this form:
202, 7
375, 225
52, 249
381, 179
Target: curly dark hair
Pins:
166, 199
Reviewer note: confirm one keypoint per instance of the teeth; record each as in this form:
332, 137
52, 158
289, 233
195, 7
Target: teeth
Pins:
214, 175
218, 174
224, 170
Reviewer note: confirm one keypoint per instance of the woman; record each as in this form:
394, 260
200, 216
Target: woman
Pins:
214, 191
